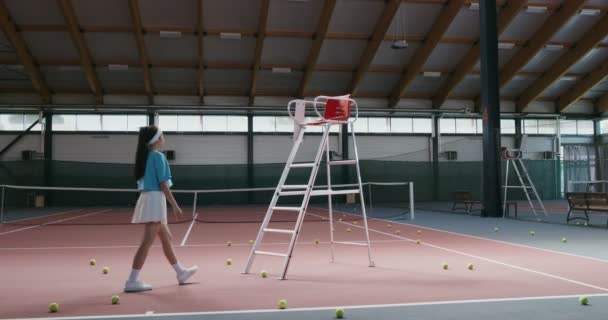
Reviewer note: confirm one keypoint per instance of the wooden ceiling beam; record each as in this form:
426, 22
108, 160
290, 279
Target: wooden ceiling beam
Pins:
30, 66
506, 16
382, 25
553, 24
141, 48
259, 45
422, 54
86, 62
317, 43
564, 63
588, 82
200, 53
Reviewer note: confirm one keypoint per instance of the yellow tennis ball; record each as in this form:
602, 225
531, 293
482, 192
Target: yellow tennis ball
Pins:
339, 313
496, 229
92, 262
444, 266
419, 232
340, 220
348, 230
564, 240
229, 262
54, 307
115, 299
355, 222
264, 274
578, 223
229, 243
282, 304
317, 241
251, 242
398, 232
532, 232
417, 241
389, 226
105, 270
586, 224
584, 300
470, 266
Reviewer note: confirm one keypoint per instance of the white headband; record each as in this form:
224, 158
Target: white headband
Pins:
156, 137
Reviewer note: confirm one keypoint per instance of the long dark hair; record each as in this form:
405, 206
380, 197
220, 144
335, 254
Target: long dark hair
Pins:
141, 156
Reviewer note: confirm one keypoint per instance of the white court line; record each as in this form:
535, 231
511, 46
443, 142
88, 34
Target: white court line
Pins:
53, 222
355, 307
185, 246
486, 259
478, 237
44, 216
189, 229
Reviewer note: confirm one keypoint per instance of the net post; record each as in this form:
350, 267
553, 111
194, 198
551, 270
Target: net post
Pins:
369, 190
412, 214
194, 205
2, 207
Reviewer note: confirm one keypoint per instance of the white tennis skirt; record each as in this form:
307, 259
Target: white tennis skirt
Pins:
151, 207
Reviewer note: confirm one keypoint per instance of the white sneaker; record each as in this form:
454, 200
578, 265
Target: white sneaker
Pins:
137, 286
185, 274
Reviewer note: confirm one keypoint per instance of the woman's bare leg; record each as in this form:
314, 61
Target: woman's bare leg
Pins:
150, 233
165, 239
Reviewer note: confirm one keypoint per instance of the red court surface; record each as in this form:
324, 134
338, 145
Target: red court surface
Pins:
44, 264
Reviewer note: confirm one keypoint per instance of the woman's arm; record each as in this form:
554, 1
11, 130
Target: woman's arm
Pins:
169, 195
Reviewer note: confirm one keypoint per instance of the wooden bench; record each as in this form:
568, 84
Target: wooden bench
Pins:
466, 199
586, 201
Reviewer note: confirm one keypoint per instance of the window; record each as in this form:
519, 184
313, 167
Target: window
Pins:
18, 122
379, 125
422, 125
264, 124
64, 122
361, 125
283, 124
604, 126
88, 122
189, 123
167, 123
567, 127
134, 122
548, 126
111, 122
401, 125
507, 126
235, 123
466, 125
447, 125
28, 119
530, 126
585, 127
224, 123
11, 122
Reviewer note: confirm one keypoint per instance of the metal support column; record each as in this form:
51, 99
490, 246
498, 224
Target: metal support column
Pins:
250, 165
490, 106
48, 154
435, 157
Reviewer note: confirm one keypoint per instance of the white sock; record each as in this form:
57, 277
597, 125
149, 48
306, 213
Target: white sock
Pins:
134, 275
178, 267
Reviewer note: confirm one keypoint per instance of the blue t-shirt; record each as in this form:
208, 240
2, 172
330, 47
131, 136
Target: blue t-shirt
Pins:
157, 171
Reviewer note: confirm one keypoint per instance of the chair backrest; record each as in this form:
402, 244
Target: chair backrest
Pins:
337, 109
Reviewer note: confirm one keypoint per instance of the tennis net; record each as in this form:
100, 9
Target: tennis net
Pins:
36, 205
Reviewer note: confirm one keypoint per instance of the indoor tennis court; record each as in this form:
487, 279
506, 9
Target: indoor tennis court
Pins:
303, 159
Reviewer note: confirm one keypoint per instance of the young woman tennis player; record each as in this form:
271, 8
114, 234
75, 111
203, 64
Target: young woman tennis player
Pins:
154, 181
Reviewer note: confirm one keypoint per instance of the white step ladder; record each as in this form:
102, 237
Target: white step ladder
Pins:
513, 157
336, 112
